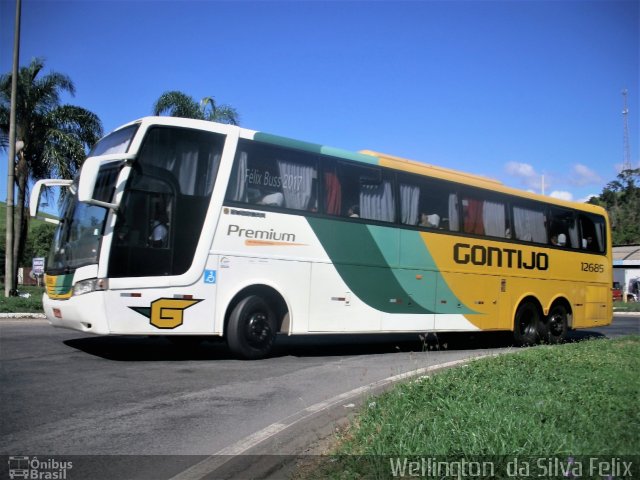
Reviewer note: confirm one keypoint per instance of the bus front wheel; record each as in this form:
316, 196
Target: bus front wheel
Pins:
555, 325
252, 328
526, 329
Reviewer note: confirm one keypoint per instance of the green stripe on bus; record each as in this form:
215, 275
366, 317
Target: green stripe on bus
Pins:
416, 270
315, 148
61, 285
362, 266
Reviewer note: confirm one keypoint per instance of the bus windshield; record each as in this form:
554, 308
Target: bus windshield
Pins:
115, 142
77, 239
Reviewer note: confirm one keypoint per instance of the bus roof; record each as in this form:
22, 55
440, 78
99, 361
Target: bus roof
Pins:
413, 166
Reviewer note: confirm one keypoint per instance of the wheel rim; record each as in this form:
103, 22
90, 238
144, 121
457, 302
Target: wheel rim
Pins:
556, 324
527, 322
258, 331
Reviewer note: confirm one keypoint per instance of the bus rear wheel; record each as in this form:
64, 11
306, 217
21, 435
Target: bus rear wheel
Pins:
527, 327
252, 328
555, 326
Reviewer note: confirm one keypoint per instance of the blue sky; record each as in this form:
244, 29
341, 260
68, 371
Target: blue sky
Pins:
513, 90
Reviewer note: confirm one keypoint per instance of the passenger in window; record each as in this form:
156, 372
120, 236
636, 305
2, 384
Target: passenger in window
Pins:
562, 240
587, 243
159, 231
430, 221
354, 211
272, 200
554, 240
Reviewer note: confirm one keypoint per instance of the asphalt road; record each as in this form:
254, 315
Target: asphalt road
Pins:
64, 393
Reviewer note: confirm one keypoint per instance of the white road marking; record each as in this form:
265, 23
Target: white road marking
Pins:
211, 463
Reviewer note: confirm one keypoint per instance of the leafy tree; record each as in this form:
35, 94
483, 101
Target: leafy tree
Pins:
39, 241
621, 199
178, 104
56, 136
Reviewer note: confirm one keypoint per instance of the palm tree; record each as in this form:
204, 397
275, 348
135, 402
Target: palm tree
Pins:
178, 104
55, 136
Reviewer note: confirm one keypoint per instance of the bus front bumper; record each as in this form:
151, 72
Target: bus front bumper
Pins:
86, 313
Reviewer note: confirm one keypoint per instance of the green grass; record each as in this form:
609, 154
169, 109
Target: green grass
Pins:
3, 221
565, 401
33, 304
626, 306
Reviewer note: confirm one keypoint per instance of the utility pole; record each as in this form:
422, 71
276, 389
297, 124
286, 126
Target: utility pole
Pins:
626, 159
9, 267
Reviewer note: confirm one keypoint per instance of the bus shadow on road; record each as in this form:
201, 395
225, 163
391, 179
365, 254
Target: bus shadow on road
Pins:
137, 348
368, 344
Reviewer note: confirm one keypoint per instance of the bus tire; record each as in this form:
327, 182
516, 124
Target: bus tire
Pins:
555, 325
526, 329
252, 328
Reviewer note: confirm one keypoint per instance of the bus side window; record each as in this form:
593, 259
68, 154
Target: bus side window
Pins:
563, 229
427, 203
366, 193
530, 224
592, 230
332, 191
484, 216
267, 175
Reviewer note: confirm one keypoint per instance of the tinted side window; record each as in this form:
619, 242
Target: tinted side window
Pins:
529, 223
428, 203
592, 229
366, 192
273, 176
484, 216
165, 202
563, 229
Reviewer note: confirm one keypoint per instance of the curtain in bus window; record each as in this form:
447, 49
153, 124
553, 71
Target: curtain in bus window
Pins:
529, 225
297, 182
237, 185
573, 234
600, 235
454, 217
376, 202
333, 193
494, 219
473, 216
210, 179
188, 171
409, 200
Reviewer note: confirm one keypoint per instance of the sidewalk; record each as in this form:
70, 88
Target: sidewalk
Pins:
626, 314
22, 316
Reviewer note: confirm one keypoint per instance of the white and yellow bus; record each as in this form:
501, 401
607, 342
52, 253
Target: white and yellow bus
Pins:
185, 227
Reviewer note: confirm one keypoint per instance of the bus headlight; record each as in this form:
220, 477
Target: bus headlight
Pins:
90, 285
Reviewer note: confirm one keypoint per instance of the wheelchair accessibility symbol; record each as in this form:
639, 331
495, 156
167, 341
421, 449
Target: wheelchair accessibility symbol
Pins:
209, 276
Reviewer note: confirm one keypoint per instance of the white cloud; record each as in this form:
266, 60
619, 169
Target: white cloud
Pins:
561, 195
583, 175
586, 198
526, 173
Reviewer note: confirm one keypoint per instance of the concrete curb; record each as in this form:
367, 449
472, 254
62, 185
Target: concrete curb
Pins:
22, 316
250, 456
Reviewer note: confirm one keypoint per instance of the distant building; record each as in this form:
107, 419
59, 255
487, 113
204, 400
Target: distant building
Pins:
626, 270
